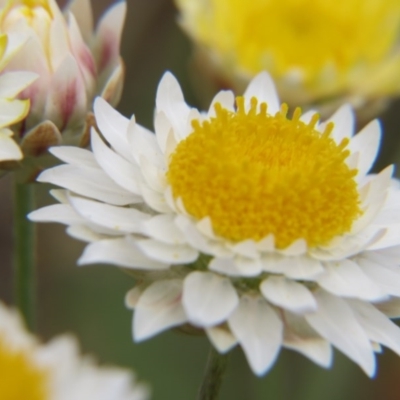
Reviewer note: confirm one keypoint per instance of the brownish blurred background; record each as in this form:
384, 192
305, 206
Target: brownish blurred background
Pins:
89, 301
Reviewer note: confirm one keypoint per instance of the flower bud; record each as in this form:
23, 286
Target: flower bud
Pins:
74, 62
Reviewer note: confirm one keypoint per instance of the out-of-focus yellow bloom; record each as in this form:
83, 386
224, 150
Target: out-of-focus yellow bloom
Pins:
56, 370
12, 110
318, 51
74, 63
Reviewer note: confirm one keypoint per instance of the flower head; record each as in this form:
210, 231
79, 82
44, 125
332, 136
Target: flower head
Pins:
56, 371
323, 52
74, 64
261, 229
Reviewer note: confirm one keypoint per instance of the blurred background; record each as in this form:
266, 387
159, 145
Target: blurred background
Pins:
89, 301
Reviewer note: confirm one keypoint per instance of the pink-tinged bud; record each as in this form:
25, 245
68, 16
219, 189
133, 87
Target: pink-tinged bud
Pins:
74, 62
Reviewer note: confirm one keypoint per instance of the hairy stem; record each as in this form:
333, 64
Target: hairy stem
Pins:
215, 369
24, 253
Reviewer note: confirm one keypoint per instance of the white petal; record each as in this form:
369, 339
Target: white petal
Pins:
88, 182
301, 337
387, 278
133, 296
121, 219
192, 234
297, 248
108, 36
9, 150
66, 100
205, 227
221, 338
267, 244
167, 253
350, 245
85, 233
208, 299
82, 11
163, 228
113, 127
155, 200
305, 268
346, 278
366, 142
390, 308
162, 128
12, 111
307, 116
344, 123
120, 252
224, 266
60, 195
259, 332
248, 266
61, 213
170, 100
335, 321
75, 156
377, 326
12, 83
262, 87
158, 308
154, 177
122, 172
288, 294
225, 98
246, 248
144, 143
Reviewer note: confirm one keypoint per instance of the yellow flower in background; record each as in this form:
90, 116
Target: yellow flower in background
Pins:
56, 371
319, 52
74, 62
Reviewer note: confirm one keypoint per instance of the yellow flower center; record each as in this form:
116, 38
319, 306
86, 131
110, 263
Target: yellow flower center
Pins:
20, 378
255, 174
295, 34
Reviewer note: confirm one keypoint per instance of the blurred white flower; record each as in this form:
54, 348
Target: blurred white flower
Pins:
74, 62
56, 370
262, 230
321, 53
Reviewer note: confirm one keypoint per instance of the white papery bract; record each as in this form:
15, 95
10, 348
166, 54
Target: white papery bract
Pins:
294, 245
56, 370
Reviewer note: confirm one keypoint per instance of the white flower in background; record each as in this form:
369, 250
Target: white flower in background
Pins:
262, 230
12, 110
56, 370
321, 52
74, 62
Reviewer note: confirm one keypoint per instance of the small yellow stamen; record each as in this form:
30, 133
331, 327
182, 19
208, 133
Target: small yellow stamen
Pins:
21, 378
255, 174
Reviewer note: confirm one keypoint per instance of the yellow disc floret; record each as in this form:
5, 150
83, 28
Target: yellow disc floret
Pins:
20, 378
255, 174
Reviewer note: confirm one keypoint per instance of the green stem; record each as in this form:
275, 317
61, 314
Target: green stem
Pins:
215, 368
24, 253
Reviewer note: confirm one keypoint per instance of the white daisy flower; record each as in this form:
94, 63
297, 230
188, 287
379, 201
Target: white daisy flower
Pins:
56, 370
260, 229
